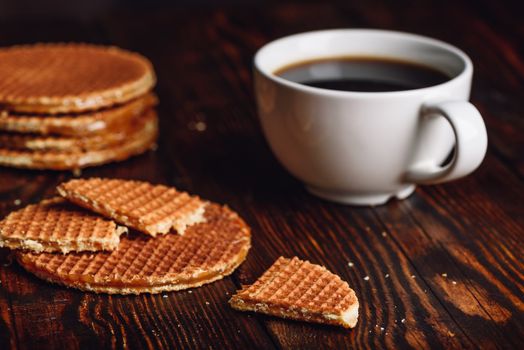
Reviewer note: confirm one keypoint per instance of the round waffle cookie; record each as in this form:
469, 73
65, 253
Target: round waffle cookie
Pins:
70, 78
135, 143
26, 142
141, 264
78, 125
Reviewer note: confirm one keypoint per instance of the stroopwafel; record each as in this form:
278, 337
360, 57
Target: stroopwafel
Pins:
141, 264
70, 78
78, 125
55, 225
300, 290
152, 209
136, 143
26, 142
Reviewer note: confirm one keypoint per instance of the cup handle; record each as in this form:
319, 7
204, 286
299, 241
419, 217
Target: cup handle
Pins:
471, 142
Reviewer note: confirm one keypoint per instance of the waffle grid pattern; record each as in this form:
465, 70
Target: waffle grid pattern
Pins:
297, 289
206, 252
56, 221
61, 78
148, 208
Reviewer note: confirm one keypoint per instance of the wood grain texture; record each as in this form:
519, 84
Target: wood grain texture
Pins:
442, 269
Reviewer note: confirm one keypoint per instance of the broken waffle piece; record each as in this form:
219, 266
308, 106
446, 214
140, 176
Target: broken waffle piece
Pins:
207, 252
55, 225
300, 290
152, 209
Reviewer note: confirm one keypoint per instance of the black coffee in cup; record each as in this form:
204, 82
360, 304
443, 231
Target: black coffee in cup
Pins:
364, 74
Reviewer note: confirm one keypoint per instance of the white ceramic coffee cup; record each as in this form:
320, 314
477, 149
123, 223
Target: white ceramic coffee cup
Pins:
366, 147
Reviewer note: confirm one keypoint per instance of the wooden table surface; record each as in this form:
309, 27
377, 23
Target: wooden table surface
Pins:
445, 266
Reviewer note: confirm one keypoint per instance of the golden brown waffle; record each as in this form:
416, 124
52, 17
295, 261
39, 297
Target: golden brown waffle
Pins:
96, 142
56, 225
141, 264
78, 125
299, 290
135, 144
70, 78
152, 209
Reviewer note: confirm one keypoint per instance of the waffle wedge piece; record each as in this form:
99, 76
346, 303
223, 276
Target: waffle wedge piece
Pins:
152, 209
78, 125
55, 225
70, 78
300, 290
141, 264
136, 143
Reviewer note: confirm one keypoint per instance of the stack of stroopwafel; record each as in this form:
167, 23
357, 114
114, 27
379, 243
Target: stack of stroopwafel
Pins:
70, 106
71, 244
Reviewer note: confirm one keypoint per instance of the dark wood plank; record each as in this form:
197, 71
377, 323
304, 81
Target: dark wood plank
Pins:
468, 232
8, 337
469, 265
48, 316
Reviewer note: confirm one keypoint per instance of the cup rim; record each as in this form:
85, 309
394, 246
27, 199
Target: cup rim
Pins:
466, 71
